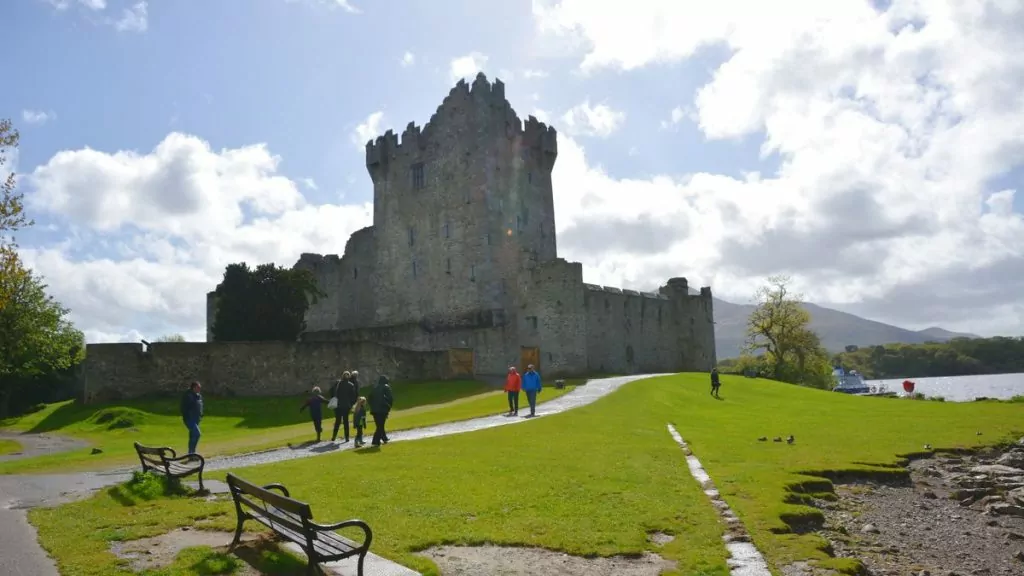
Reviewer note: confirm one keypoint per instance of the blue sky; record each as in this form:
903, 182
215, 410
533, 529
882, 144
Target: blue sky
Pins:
300, 76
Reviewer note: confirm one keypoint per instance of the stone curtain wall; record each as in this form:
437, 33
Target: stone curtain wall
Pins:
121, 371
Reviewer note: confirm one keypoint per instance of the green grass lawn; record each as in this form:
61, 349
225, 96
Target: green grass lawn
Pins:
233, 425
594, 480
9, 446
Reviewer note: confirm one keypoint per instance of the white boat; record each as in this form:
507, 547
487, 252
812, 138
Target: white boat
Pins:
850, 382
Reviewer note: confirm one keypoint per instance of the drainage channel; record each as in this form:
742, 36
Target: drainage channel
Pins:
745, 559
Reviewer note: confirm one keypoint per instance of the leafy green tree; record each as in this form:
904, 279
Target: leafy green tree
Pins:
265, 303
12, 208
36, 337
171, 338
778, 329
958, 357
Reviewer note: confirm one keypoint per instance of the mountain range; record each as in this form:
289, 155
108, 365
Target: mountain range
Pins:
836, 329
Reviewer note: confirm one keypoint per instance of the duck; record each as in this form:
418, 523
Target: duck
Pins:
777, 439
790, 439
927, 447
762, 439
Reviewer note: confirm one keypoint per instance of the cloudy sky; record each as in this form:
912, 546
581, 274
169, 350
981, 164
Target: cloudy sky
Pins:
872, 150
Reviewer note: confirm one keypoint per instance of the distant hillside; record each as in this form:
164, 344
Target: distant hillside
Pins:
836, 329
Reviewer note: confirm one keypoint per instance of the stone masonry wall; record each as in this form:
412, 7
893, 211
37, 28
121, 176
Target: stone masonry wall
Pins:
629, 332
119, 371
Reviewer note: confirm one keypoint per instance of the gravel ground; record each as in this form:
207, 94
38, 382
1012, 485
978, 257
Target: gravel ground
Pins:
959, 515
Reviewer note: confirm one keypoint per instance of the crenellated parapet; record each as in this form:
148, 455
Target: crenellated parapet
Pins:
482, 101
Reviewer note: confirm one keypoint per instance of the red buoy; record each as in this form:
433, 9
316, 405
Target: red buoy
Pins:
908, 386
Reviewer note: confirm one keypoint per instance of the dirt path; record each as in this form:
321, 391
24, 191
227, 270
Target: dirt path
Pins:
39, 444
18, 541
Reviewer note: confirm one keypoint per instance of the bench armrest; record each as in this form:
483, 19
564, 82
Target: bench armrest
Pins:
347, 524
278, 487
190, 458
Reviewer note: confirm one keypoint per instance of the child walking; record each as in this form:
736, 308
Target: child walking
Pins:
359, 420
316, 403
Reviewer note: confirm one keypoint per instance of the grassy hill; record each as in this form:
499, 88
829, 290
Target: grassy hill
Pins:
836, 329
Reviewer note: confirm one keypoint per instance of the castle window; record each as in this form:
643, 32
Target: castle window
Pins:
446, 230
472, 273
355, 272
531, 322
448, 266
416, 171
519, 223
607, 304
529, 177
413, 268
488, 238
412, 237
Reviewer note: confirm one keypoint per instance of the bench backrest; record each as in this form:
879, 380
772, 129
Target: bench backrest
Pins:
256, 498
154, 457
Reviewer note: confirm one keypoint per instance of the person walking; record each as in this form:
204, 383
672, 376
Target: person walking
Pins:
513, 384
315, 404
359, 420
532, 386
355, 382
380, 406
343, 396
192, 413
715, 382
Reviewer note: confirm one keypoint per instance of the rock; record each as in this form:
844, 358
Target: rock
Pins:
1014, 536
1012, 459
1003, 509
1019, 555
869, 529
929, 495
1017, 496
990, 499
997, 470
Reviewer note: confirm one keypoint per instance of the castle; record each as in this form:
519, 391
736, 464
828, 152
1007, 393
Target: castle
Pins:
462, 258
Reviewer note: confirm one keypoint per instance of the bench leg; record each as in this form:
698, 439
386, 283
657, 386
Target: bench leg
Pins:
201, 480
238, 533
361, 558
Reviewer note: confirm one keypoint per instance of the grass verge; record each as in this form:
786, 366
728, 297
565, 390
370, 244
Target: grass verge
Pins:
9, 446
233, 425
598, 479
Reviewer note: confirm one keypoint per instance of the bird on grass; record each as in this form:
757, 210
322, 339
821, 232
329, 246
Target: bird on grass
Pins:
928, 447
762, 439
790, 440
777, 439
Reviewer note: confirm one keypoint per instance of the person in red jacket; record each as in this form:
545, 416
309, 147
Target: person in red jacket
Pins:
513, 384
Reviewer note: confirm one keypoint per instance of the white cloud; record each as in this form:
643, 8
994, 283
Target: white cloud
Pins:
345, 5
888, 125
530, 74
467, 66
37, 116
134, 18
676, 116
309, 183
600, 121
94, 4
167, 222
408, 59
368, 129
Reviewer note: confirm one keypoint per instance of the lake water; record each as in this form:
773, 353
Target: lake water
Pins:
961, 388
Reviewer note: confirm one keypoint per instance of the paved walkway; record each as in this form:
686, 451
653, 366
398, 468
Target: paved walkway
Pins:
20, 553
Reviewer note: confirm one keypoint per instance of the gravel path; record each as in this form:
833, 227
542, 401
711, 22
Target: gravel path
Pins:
39, 444
20, 552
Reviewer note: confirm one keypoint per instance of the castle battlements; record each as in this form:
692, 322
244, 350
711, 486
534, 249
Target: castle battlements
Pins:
462, 99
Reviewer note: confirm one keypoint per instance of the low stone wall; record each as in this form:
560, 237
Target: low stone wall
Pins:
120, 371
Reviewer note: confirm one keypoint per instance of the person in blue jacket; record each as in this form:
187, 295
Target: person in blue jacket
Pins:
192, 413
532, 386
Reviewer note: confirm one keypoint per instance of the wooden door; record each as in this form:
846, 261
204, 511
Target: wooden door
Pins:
529, 355
460, 361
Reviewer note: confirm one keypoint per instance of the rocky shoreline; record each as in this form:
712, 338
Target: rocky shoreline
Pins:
958, 515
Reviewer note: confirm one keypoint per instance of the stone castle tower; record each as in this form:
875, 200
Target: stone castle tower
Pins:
462, 256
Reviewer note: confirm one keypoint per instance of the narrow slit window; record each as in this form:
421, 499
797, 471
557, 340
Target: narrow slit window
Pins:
488, 235
413, 268
472, 273
416, 171
529, 177
448, 265
519, 223
412, 237
355, 272
446, 231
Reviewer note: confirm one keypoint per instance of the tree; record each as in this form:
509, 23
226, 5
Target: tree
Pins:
171, 338
265, 303
35, 336
12, 209
778, 329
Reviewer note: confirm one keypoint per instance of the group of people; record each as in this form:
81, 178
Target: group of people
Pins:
345, 400
528, 382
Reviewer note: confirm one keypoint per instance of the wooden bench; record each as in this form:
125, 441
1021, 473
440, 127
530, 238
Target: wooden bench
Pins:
272, 506
165, 461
